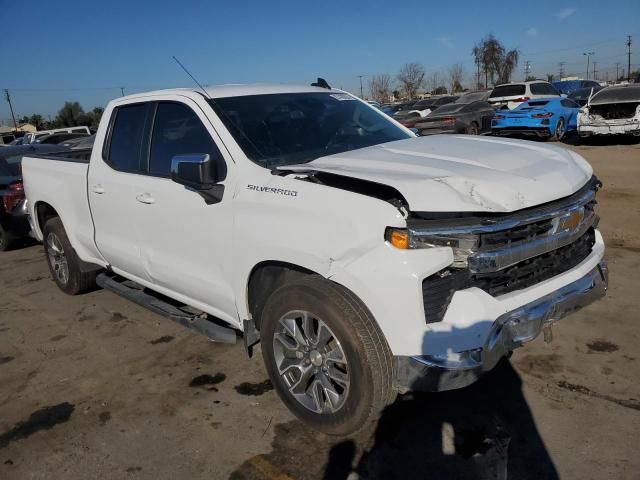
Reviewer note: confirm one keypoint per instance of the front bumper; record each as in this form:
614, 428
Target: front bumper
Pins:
509, 331
612, 128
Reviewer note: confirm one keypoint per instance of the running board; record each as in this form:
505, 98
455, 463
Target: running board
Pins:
138, 294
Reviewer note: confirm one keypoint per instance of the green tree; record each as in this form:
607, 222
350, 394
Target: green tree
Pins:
37, 121
441, 90
70, 115
495, 61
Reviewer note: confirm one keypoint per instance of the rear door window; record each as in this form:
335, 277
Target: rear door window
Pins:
177, 130
128, 145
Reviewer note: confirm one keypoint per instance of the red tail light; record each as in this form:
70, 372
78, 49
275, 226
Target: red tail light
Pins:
542, 115
521, 99
448, 120
12, 196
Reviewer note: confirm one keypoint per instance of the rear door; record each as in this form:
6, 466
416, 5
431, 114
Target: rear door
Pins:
113, 179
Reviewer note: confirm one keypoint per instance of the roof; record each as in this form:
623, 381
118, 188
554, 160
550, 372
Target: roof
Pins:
237, 90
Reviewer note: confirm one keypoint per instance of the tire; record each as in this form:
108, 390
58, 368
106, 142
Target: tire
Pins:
560, 130
473, 129
355, 363
63, 261
6, 240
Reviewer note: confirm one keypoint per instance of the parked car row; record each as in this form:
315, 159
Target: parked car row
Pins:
533, 108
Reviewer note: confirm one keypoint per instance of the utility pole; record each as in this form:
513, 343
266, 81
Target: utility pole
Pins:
628, 58
8, 97
617, 67
588, 54
361, 77
561, 70
595, 77
122, 91
527, 69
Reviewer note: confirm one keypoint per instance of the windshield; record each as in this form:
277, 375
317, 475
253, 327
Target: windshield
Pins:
289, 128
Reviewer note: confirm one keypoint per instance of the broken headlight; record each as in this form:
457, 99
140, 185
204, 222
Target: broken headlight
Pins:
462, 244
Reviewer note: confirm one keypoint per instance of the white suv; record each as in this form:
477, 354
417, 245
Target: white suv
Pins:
513, 94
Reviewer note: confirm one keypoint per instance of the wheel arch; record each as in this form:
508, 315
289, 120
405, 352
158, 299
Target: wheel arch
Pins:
43, 211
265, 278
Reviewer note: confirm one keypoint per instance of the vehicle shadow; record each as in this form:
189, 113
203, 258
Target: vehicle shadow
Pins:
485, 431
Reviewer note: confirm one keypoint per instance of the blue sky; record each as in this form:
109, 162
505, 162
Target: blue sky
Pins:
73, 50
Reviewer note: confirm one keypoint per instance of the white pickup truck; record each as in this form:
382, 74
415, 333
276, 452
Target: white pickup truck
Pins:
364, 260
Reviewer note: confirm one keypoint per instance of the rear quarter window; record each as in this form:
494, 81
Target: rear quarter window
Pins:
508, 91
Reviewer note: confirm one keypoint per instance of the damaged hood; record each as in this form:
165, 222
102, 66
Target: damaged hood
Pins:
463, 173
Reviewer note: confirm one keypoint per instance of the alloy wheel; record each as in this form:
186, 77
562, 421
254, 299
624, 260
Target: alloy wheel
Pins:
57, 258
311, 362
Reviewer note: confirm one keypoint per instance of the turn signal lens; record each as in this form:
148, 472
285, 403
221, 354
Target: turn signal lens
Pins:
398, 238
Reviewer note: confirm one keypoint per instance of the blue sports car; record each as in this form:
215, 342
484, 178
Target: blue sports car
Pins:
544, 117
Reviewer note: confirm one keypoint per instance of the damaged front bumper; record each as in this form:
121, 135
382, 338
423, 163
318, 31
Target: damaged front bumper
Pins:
509, 331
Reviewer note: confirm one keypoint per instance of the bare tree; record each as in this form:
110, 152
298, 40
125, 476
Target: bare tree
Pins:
380, 87
434, 81
411, 79
456, 74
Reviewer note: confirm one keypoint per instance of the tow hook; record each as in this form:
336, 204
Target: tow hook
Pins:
548, 334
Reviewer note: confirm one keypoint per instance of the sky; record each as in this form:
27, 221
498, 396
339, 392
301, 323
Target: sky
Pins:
67, 50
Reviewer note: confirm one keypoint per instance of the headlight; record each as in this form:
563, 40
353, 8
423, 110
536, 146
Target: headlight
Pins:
462, 244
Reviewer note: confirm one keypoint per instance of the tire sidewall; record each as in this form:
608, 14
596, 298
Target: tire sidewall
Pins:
558, 123
358, 404
54, 226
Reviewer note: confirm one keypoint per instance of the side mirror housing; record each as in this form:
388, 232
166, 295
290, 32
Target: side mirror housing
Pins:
194, 171
197, 172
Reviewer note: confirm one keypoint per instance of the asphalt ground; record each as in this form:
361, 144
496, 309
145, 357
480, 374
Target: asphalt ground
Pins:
96, 387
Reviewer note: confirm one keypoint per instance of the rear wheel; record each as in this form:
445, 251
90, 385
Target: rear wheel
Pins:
6, 240
560, 130
326, 356
473, 129
63, 261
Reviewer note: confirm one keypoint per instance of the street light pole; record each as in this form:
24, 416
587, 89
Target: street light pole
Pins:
588, 54
360, 77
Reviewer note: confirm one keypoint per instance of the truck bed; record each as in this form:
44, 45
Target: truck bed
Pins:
60, 180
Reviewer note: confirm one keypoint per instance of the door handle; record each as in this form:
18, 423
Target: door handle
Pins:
145, 198
97, 188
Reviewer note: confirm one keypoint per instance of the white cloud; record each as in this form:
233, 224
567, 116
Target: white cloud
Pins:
445, 42
532, 32
565, 12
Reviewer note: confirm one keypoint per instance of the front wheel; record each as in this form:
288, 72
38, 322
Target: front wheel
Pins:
326, 356
63, 261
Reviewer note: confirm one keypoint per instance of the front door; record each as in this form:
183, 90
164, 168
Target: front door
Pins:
185, 244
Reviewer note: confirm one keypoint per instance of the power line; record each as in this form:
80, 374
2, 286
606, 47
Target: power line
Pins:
629, 58
361, 77
8, 97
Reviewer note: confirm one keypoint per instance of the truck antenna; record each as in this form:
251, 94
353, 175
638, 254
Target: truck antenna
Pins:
192, 77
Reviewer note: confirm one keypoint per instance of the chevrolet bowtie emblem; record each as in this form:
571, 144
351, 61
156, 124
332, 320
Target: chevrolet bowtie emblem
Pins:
572, 221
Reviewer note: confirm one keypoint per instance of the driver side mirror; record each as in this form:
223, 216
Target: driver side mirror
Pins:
197, 172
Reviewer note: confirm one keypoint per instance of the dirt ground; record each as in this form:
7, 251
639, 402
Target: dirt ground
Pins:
96, 387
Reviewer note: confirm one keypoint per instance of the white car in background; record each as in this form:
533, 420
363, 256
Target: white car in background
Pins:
512, 94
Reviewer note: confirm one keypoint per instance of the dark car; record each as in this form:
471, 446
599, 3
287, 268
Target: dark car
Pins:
471, 114
14, 223
570, 86
412, 114
581, 95
59, 138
